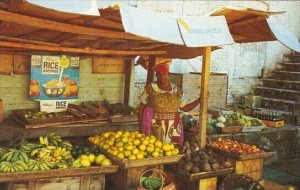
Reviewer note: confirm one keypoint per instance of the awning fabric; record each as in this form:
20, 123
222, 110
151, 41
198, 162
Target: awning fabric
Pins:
251, 25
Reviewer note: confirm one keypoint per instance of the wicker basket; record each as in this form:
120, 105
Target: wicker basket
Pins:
239, 181
166, 184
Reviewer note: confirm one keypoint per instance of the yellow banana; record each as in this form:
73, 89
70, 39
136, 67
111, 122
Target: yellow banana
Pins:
41, 139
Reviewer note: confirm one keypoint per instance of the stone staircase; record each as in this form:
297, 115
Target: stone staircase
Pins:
280, 89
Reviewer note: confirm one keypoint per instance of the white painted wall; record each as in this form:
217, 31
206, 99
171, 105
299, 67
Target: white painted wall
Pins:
242, 62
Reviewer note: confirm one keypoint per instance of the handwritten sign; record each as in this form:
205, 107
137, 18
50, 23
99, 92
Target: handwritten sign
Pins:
108, 65
204, 31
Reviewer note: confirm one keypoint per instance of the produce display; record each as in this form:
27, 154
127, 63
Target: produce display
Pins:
238, 119
50, 152
132, 145
197, 160
235, 147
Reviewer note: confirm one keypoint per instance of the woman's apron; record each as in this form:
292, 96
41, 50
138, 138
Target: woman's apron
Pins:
161, 118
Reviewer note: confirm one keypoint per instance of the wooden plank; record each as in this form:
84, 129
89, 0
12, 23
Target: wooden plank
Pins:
252, 168
7, 38
125, 163
204, 96
209, 183
85, 182
6, 64
78, 50
21, 64
108, 65
63, 27
29, 175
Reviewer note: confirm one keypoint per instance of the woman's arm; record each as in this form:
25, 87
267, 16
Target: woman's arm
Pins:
190, 106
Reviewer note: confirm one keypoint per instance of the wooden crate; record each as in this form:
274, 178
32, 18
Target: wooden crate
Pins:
94, 182
275, 124
92, 178
191, 83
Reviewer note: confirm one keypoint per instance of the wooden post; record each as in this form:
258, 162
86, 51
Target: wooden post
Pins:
204, 96
150, 73
128, 69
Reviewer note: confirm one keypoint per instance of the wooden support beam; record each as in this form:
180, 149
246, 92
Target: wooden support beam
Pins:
204, 96
128, 71
64, 27
77, 50
150, 73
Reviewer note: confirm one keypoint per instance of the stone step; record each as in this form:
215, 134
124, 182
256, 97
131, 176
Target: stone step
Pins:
280, 104
275, 83
277, 93
284, 75
288, 66
291, 57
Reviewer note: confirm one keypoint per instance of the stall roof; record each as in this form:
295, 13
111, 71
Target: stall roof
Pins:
252, 25
30, 28
120, 30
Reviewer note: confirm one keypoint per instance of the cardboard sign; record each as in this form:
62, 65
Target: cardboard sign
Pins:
54, 77
108, 65
53, 105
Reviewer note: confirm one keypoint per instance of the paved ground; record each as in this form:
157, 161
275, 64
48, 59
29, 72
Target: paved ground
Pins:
284, 172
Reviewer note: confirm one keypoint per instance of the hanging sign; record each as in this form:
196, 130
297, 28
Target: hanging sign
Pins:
54, 78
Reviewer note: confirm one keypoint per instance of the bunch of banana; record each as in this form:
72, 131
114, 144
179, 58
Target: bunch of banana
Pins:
66, 144
16, 166
14, 155
242, 122
52, 153
61, 153
35, 165
62, 165
28, 147
53, 138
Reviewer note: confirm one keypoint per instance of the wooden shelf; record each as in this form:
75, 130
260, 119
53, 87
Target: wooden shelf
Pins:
9, 129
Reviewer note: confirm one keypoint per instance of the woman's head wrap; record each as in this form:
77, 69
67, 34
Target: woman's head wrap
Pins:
162, 67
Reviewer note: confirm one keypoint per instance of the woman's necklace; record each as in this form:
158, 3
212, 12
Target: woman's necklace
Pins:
167, 87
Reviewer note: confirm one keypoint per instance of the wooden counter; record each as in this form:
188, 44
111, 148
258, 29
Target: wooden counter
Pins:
9, 130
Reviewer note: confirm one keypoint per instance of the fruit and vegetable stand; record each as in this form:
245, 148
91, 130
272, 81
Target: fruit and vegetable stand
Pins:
52, 150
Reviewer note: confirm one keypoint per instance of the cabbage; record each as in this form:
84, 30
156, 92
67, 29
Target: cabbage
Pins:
221, 119
220, 125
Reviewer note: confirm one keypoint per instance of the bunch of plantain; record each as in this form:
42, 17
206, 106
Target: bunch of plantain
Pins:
16, 166
28, 147
13, 155
38, 115
35, 165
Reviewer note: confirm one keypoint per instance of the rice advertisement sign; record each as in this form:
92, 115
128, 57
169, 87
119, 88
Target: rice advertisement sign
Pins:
54, 78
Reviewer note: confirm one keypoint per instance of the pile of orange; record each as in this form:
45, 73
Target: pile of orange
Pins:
132, 145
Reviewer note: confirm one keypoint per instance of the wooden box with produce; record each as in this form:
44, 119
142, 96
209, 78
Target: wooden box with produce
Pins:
26, 165
133, 152
246, 159
198, 167
235, 123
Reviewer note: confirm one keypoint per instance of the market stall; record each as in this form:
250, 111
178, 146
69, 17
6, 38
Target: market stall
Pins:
117, 32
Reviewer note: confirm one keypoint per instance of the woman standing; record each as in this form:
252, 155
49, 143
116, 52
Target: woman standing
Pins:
160, 105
